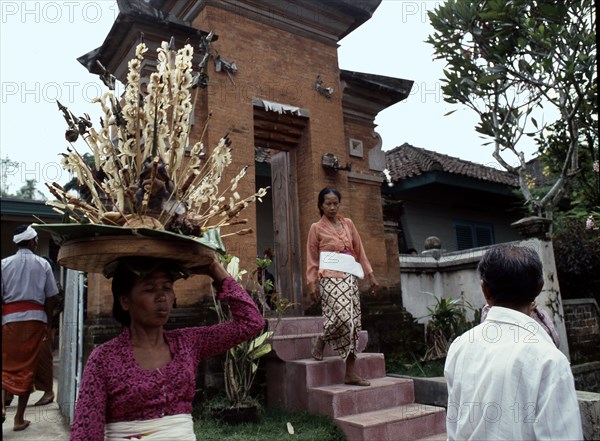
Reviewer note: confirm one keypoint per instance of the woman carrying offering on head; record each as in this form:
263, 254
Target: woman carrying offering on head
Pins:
335, 259
140, 385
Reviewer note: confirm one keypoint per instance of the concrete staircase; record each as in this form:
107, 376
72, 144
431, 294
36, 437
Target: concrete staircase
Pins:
384, 411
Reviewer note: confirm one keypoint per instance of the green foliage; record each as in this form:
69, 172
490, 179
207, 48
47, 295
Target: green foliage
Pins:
449, 315
272, 427
577, 257
30, 191
583, 190
242, 361
7, 167
409, 364
241, 366
506, 60
447, 320
27, 191
258, 284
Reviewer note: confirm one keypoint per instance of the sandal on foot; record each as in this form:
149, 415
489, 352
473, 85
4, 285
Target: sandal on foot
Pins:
317, 348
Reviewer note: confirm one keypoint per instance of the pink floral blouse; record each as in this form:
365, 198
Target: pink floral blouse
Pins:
322, 236
115, 389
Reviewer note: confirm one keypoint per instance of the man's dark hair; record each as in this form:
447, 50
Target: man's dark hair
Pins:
513, 274
324, 193
21, 228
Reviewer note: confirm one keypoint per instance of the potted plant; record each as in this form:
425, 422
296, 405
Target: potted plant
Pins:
241, 362
447, 320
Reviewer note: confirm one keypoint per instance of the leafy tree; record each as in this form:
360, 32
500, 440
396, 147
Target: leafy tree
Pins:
7, 165
584, 189
507, 59
29, 191
577, 254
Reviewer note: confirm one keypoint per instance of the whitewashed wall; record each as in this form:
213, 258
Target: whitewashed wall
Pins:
424, 279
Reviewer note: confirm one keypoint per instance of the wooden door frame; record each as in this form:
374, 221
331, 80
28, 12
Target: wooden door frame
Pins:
286, 230
282, 131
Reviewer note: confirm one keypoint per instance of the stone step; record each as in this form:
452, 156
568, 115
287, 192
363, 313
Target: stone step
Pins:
383, 411
406, 422
437, 437
340, 399
301, 375
298, 346
332, 369
296, 326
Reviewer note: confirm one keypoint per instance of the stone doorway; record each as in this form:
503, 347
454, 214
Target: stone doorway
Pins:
278, 135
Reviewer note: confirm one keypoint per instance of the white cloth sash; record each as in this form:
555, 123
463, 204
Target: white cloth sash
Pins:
340, 262
171, 427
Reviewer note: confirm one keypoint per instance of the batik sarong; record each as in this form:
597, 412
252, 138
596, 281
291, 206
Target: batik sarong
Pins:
340, 302
21, 343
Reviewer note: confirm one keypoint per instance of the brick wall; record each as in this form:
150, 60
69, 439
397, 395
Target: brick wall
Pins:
277, 65
582, 318
587, 376
274, 65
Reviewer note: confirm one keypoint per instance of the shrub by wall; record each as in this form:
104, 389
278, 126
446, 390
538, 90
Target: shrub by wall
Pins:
577, 256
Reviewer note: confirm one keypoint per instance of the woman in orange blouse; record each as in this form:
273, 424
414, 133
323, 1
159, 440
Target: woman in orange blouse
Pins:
332, 277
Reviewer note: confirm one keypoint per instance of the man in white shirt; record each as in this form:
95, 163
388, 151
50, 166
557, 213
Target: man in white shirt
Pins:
506, 378
28, 290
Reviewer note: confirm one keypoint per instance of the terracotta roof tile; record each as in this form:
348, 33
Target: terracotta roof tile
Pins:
408, 161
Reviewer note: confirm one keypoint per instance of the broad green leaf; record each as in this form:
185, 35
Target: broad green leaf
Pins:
260, 351
256, 342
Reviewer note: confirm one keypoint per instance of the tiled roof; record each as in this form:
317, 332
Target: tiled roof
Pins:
408, 161
131, 14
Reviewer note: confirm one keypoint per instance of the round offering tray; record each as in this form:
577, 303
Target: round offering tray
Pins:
93, 254
88, 248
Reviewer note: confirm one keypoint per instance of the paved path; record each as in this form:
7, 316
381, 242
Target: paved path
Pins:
47, 423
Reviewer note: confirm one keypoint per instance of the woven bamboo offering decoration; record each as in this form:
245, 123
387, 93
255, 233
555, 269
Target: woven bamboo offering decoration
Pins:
145, 171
